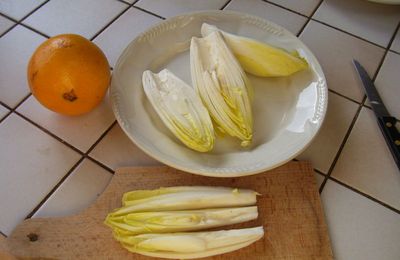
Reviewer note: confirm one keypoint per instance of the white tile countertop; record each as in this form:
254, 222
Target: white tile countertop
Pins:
53, 165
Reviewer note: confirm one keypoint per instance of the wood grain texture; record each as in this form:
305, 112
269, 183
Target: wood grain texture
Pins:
289, 209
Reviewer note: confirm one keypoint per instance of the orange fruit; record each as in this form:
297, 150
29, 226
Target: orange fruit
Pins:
69, 74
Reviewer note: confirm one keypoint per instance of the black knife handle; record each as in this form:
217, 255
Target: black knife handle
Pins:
387, 125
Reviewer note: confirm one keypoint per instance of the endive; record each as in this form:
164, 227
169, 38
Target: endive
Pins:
191, 245
259, 58
185, 198
180, 109
222, 85
178, 221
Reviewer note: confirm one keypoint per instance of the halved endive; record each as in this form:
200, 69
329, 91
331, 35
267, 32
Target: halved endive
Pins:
259, 58
179, 221
192, 244
184, 198
180, 109
222, 85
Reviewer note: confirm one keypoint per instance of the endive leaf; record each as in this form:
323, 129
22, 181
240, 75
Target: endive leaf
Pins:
180, 109
178, 221
259, 58
186, 198
222, 85
191, 245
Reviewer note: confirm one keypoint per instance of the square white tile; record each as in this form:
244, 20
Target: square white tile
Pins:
84, 17
371, 21
17, 46
305, 7
175, 7
80, 131
18, 8
31, 164
387, 83
3, 111
5, 24
117, 150
359, 228
77, 192
396, 43
289, 20
324, 147
367, 164
119, 34
335, 51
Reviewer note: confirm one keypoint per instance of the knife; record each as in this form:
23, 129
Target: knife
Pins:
386, 122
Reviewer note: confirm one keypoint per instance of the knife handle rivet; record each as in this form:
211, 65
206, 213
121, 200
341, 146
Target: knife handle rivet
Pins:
397, 142
388, 124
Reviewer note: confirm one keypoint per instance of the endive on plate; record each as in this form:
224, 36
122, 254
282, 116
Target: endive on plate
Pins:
179, 221
222, 85
191, 245
259, 58
180, 109
185, 198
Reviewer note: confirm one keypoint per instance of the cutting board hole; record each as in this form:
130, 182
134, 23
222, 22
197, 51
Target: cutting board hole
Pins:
33, 237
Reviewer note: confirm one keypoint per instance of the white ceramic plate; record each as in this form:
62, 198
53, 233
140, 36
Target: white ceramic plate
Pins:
288, 111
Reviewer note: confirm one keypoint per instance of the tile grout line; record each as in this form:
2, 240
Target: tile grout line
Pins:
122, 1
364, 195
338, 153
225, 5
111, 22
19, 22
287, 9
348, 33
148, 12
49, 133
38, 206
309, 19
83, 156
15, 108
343, 96
328, 176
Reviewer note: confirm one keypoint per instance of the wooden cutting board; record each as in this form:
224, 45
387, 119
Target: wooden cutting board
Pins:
289, 209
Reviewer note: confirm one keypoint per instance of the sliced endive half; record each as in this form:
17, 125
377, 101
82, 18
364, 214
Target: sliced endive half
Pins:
180, 109
259, 58
179, 221
185, 198
191, 245
222, 85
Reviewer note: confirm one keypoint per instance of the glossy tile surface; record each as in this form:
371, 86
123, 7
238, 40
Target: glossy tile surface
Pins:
5, 24
387, 83
84, 17
175, 7
335, 51
359, 228
367, 164
78, 191
371, 21
291, 21
16, 48
117, 150
23, 184
305, 7
123, 30
325, 146
17, 9
80, 131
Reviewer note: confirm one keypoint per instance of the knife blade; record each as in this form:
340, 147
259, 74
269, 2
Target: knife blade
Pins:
386, 122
